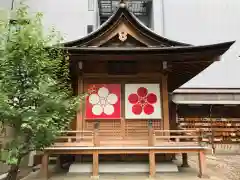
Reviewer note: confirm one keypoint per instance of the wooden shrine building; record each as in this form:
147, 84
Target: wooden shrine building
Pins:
128, 71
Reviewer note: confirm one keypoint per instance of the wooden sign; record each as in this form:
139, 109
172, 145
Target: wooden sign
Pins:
142, 101
103, 101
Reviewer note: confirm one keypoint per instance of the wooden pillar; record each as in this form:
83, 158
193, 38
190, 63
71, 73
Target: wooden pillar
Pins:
79, 123
123, 120
123, 128
185, 160
152, 164
173, 121
95, 165
96, 140
202, 164
173, 116
150, 135
165, 103
44, 166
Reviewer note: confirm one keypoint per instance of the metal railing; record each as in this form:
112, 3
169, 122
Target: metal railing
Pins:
137, 7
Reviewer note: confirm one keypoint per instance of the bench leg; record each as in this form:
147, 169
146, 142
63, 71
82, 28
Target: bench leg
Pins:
202, 164
185, 160
152, 164
44, 167
95, 165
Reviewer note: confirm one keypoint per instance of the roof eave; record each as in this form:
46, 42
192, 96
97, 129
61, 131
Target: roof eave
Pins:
219, 46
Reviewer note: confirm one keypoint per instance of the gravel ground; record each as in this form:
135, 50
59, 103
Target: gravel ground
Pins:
226, 167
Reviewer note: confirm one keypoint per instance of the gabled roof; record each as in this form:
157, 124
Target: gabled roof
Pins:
124, 37
113, 21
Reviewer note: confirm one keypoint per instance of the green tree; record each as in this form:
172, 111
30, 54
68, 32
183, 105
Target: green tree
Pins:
36, 98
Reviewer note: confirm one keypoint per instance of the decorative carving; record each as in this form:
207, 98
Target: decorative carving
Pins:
122, 4
122, 36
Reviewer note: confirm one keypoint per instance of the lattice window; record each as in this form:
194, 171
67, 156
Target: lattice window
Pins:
139, 8
106, 127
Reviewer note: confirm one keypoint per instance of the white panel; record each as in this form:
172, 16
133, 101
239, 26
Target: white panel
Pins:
142, 101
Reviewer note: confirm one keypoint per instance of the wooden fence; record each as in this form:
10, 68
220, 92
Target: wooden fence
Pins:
152, 138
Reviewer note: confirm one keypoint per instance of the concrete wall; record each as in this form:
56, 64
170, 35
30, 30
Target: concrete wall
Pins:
5, 4
204, 22
158, 16
71, 17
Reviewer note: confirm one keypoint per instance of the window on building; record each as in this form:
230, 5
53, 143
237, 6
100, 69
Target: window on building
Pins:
89, 28
91, 5
142, 9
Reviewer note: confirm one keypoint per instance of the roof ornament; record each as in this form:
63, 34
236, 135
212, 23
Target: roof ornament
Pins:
122, 4
122, 36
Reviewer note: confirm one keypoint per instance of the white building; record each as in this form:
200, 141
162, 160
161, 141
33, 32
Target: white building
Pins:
191, 21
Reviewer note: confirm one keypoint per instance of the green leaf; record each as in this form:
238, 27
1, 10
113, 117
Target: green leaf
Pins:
35, 90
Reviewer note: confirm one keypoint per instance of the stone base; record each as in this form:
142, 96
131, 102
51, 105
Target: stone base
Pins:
185, 166
122, 167
94, 177
204, 176
151, 178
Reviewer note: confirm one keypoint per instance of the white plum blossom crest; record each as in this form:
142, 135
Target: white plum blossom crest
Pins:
103, 102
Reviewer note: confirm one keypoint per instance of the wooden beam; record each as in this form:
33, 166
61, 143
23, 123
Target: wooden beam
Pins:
202, 164
123, 151
95, 168
154, 76
44, 167
165, 103
152, 164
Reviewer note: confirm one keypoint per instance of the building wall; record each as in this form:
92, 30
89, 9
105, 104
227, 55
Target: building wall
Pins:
158, 16
203, 22
71, 17
5, 4
191, 21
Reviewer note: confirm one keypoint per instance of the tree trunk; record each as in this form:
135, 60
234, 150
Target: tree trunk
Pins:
13, 172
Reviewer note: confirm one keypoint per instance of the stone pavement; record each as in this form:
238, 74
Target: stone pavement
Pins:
184, 174
139, 176
219, 167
